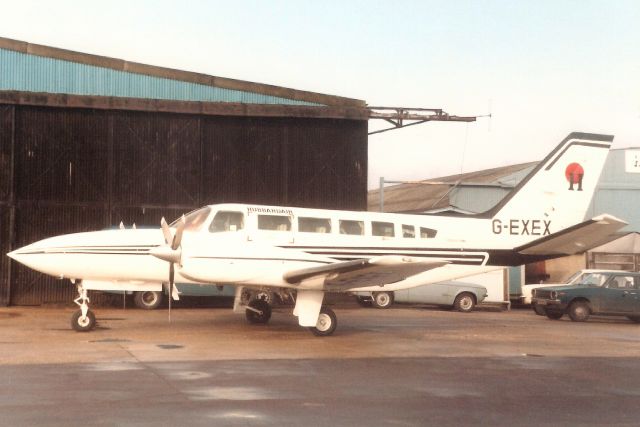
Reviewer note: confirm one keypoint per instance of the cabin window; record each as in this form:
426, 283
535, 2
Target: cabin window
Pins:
227, 221
384, 229
408, 231
351, 227
314, 225
274, 222
427, 233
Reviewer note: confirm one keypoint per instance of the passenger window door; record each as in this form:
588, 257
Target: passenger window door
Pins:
382, 229
275, 229
351, 227
620, 294
408, 231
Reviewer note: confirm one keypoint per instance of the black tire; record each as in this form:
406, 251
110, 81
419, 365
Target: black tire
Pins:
465, 302
634, 318
579, 311
539, 310
148, 300
85, 324
553, 315
364, 301
327, 323
382, 299
263, 307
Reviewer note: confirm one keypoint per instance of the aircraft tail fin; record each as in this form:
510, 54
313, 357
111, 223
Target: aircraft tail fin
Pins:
558, 191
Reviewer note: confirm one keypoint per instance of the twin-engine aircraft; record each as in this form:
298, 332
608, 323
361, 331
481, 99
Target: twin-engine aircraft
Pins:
305, 253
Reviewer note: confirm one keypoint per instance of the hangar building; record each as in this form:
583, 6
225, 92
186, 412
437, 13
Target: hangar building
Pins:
89, 141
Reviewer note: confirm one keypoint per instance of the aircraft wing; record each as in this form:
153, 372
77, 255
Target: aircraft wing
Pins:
377, 271
579, 238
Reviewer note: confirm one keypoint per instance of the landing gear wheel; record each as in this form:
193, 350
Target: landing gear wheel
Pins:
553, 315
81, 323
465, 302
327, 323
148, 300
579, 311
382, 299
259, 311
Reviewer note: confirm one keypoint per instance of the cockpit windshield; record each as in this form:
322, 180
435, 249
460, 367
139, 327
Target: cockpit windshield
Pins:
194, 220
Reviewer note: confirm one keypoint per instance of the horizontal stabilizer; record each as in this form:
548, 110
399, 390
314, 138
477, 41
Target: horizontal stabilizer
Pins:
579, 238
377, 271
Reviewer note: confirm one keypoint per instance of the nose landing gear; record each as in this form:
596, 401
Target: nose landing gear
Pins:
82, 320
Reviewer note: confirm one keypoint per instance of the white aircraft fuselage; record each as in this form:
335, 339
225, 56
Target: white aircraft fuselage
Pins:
258, 257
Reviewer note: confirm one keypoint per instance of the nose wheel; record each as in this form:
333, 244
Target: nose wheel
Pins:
81, 323
82, 320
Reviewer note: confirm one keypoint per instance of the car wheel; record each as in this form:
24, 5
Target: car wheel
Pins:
553, 315
579, 311
538, 309
465, 302
634, 318
148, 300
382, 299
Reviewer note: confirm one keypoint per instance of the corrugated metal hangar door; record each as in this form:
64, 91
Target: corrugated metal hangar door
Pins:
67, 170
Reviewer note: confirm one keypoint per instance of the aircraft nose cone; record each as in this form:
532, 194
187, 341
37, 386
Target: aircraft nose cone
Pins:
18, 254
14, 255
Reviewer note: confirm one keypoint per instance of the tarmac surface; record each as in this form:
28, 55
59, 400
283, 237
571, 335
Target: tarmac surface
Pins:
404, 366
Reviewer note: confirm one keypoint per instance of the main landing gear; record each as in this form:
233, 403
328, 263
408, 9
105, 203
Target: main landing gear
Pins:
82, 320
327, 323
258, 311
257, 307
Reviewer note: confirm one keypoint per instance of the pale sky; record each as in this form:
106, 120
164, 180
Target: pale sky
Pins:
542, 68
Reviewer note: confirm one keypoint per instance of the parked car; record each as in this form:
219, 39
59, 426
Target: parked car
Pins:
457, 295
150, 300
575, 278
608, 293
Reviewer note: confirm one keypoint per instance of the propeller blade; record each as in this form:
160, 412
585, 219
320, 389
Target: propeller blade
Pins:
166, 231
177, 238
171, 279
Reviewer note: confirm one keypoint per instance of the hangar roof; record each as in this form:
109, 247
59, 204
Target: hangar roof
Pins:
434, 194
41, 75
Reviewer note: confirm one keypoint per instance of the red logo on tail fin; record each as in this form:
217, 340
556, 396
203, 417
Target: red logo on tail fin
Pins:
574, 174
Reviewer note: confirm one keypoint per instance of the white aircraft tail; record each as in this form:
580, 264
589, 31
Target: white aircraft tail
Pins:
557, 193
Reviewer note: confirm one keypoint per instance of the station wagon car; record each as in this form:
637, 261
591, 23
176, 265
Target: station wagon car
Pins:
457, 295
606, 293
575, 278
